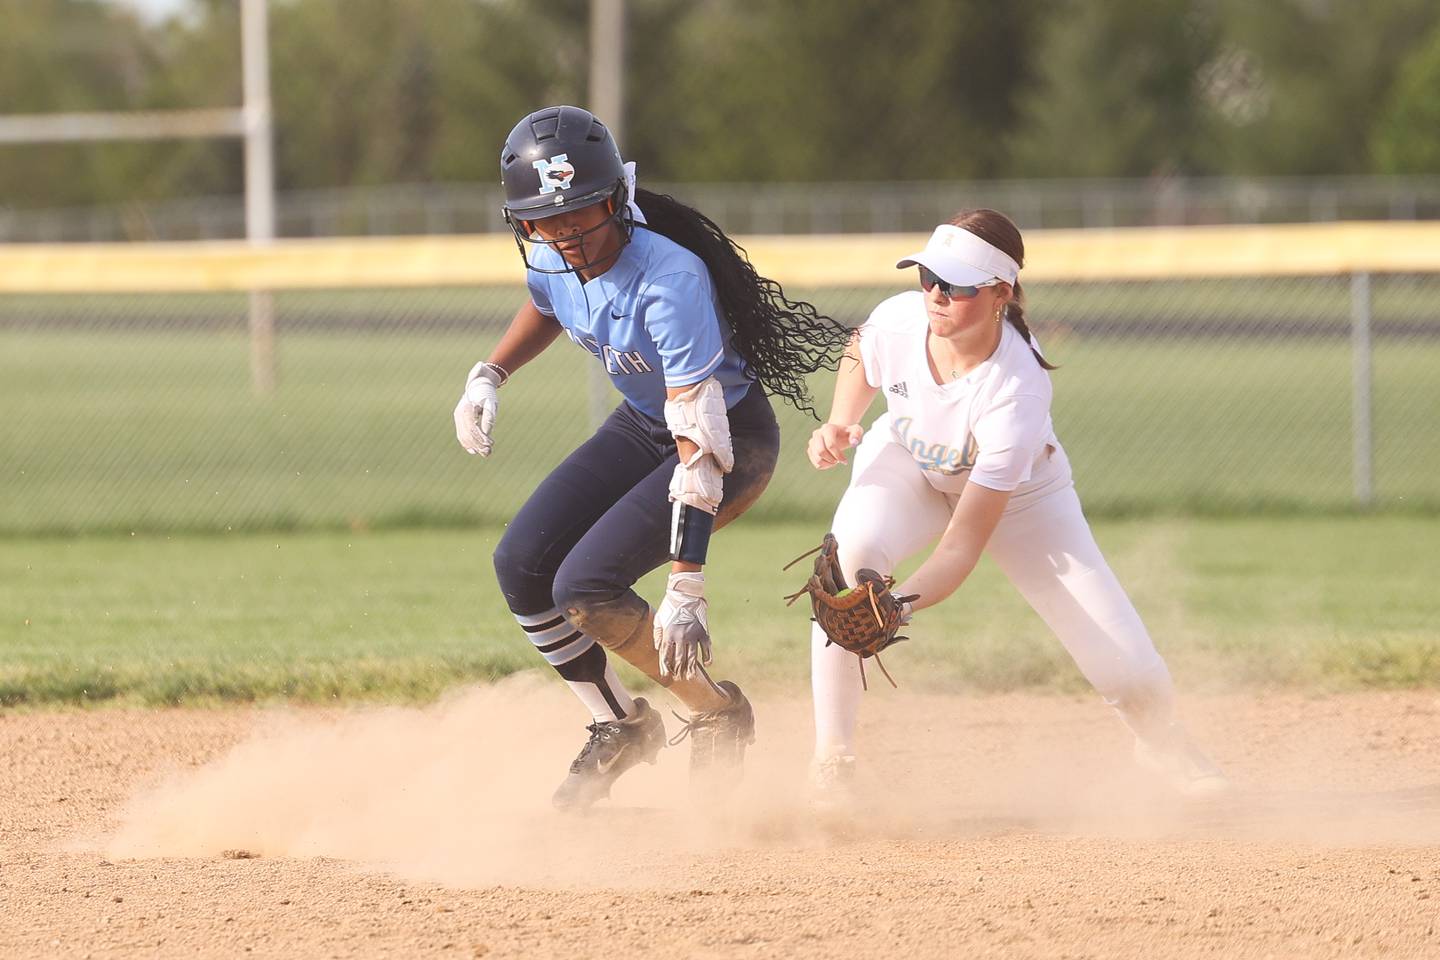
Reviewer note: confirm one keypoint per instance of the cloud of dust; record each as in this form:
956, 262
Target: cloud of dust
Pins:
458, 793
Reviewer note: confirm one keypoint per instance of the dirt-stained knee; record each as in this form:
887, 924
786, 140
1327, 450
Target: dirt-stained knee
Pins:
614, 621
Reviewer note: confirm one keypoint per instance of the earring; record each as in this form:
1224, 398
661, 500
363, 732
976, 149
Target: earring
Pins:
999, 312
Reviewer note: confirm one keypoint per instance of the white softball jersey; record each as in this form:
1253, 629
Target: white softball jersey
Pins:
992, 427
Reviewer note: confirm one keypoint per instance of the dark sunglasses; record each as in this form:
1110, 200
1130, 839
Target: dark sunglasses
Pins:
951, 291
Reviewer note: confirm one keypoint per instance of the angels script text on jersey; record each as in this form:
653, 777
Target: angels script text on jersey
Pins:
939, 457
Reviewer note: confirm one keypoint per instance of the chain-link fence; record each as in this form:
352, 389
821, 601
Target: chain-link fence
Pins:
135, 412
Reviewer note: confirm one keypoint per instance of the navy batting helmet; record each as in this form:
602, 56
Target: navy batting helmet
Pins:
556, 160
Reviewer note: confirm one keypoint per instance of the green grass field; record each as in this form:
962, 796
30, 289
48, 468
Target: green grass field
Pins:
155, 429
1321, 602
168, 537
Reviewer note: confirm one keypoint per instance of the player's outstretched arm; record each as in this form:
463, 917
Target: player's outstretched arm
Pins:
842, 430
959, 549
529, 333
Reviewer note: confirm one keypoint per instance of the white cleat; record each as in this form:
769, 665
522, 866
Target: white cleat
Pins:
1181, 765
832, 785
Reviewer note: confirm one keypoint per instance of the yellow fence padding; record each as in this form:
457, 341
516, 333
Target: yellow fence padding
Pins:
1136, 253
1131, 253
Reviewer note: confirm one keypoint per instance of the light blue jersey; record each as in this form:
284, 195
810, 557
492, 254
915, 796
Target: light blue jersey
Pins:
653, 319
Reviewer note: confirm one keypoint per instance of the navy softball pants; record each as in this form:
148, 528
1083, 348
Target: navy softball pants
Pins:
601, 520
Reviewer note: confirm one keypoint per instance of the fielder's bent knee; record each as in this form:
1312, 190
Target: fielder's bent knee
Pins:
860, 553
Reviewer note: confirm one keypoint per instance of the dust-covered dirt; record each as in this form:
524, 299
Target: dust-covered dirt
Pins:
1013, 826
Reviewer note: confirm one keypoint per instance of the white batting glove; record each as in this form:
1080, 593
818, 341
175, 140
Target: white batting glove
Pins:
682, 630
475, 413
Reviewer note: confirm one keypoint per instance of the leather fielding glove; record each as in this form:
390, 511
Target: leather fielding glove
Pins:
475, 413
864, 619
682, 629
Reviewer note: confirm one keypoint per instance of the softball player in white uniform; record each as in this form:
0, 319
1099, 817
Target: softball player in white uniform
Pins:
966, 452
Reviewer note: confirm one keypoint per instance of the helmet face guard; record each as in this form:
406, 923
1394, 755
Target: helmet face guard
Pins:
523, 228
557, 160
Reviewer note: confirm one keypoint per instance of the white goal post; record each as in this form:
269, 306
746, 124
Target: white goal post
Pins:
251, 121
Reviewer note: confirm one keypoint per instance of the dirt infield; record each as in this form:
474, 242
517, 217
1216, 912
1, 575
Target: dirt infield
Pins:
1017, 829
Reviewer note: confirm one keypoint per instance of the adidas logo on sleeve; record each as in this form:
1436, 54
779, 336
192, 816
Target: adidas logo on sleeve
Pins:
899, 389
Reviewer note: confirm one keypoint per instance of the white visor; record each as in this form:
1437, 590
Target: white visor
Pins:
958, 256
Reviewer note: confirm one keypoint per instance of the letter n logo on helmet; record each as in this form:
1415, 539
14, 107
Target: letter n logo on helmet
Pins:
555, 173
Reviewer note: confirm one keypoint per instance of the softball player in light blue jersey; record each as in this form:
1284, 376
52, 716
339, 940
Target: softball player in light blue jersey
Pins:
694, 340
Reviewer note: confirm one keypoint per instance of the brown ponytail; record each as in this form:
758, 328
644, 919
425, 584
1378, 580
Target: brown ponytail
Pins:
1000, 231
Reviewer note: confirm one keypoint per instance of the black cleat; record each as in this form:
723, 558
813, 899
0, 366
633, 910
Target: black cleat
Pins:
718, 739
614, 747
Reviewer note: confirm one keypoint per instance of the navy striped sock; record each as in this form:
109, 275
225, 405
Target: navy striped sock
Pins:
581, 661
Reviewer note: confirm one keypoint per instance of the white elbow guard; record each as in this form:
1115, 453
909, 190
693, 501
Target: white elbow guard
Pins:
699, 415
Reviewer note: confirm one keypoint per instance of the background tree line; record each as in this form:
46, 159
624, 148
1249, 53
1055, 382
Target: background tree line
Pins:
410, 91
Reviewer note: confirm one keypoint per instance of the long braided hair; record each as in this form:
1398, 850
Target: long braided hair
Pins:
1000, 231
781, 340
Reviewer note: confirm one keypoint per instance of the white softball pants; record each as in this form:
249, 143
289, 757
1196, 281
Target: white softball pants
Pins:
1042, 544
